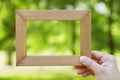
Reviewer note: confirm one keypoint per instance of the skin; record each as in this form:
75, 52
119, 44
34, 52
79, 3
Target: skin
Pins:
102, 66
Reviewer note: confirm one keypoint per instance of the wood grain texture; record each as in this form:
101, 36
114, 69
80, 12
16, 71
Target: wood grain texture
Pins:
21, 16
50, 61
20, 38
53, 14
86, 35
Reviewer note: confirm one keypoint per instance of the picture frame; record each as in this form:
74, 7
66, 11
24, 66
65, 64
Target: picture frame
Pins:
84, 16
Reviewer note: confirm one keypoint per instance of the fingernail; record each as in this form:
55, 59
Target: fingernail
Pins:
83, 59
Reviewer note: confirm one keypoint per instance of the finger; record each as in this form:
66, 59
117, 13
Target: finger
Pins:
80, 71
97, 55
91, 64
87, 73
79, 67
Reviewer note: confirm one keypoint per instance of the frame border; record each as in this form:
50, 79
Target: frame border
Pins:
21, 54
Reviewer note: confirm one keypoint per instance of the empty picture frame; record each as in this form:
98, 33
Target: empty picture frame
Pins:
73, 60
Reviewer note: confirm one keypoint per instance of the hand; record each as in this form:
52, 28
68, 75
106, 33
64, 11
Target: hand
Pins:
102, 66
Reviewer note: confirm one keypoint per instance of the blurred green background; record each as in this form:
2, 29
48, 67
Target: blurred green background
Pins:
56, 37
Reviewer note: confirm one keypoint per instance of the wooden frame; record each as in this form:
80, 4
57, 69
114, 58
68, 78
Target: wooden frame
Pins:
21, 54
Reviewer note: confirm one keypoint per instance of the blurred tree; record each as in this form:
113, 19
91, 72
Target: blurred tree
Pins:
7, 42
70, 4
114, 10
105, 29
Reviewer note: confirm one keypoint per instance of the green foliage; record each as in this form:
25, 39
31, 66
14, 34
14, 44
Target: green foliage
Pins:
61, 36
42, 35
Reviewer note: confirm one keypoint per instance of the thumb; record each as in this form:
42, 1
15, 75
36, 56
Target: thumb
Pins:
91, 64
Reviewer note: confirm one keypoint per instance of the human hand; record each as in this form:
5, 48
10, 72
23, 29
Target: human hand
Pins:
102, 66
